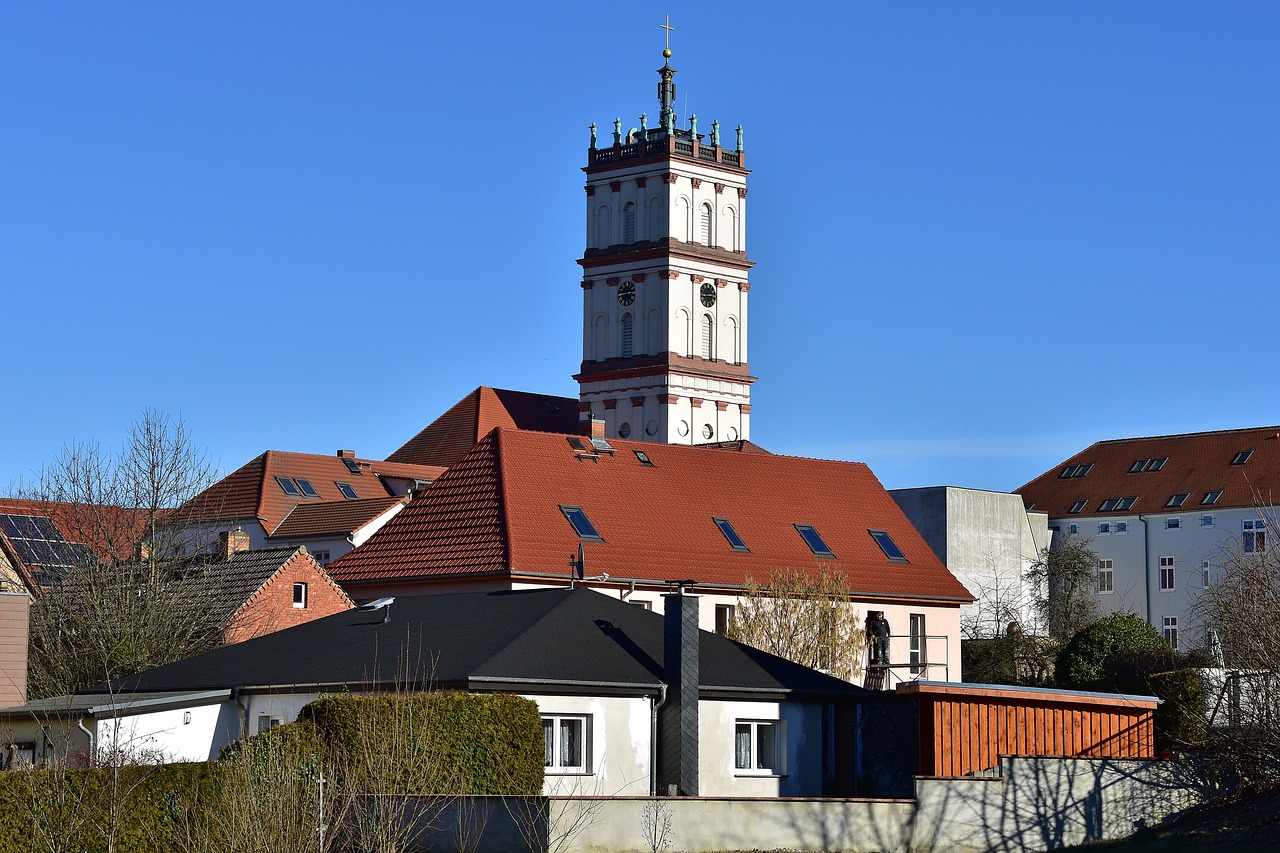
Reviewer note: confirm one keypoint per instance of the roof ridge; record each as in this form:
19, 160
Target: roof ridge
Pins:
283, 520
1275, 428
530, 626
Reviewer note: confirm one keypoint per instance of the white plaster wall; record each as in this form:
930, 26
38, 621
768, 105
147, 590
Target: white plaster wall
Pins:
802, 727
286, 706
620, 745
194, 733
1135, 557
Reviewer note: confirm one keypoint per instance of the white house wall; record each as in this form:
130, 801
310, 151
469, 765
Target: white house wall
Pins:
619, 745
802, 733
193, 733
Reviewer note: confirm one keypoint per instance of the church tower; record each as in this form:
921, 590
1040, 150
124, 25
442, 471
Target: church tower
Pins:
664, 288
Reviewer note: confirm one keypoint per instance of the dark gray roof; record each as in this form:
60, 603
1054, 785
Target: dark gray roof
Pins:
573, 638
231, 583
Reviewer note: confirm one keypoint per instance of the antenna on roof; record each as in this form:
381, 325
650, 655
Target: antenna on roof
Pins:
578, 567
383, 604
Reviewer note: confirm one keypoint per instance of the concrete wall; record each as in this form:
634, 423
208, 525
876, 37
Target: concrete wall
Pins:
987, 540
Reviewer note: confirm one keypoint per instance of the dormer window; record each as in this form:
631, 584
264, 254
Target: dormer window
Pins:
732, 535
811, 538
1241, 457
582, 525
890, 548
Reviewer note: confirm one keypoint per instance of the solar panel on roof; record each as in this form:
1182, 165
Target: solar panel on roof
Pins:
40, 545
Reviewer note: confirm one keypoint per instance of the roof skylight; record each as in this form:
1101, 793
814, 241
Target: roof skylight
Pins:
1241, 457
290, 487
811, 538
306, 487
890, 548
353, 466
1211, 497
1074, 471
1179, 499
732, 535
1078, 505
347, 492
581, 524
644, 458
1138, 466
1157, 463
1117, 504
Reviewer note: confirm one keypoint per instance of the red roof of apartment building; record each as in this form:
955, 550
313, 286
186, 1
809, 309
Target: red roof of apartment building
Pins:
502, 510
261, 488
1163, 473
446, 439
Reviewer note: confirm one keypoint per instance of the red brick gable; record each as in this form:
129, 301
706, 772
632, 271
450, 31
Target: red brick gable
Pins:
1197, 463
498, 510
446, 439
271, 607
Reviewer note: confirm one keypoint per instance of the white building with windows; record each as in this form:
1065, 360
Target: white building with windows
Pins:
1163, 513
664, 288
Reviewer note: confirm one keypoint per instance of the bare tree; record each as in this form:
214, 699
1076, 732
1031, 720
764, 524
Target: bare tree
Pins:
1066, 582
805, 618
125, 606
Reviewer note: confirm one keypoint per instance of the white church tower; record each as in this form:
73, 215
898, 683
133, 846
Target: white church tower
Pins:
664, 288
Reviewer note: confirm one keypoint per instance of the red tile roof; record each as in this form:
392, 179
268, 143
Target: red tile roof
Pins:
109, 531
333, 517
1197, 463
498, 510
455, 432
252, 491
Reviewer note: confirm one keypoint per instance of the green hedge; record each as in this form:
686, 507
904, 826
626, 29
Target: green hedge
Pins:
70, 810
1117, 646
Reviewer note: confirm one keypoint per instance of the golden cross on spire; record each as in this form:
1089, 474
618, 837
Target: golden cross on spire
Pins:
666, 48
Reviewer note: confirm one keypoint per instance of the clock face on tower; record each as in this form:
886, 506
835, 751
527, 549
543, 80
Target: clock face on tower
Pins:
708, 294
626, 293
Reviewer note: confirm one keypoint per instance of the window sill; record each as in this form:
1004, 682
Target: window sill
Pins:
741, 775
553, 771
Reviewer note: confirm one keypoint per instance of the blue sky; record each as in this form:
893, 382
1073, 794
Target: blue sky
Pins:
986, 234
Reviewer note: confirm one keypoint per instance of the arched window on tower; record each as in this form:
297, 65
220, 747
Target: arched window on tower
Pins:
656, 224
627, 335
600, 338
734, 243
708, 337
731, 343
681, 229
704, 225
685, 324
653, 342
604, 225
629, 222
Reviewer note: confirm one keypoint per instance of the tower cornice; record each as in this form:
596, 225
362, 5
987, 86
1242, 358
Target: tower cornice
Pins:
667, 247
663, 363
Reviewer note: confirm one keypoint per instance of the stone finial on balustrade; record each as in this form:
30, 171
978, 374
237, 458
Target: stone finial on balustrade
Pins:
715, 133
617, 131
693, 125
739, 137
593, 135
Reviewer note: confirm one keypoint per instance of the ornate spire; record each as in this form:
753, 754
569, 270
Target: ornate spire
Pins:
667, 85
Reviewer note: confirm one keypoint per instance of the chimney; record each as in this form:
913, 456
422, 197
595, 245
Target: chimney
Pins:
678, 716
14, 621
592, 428
232, 542
346, 454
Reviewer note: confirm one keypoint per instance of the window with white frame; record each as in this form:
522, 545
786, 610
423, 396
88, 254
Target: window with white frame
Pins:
1106, 576
1206, 574
1254, 538
916, 655
759, 746
300, 595
1206, 521
1166, 574
1171, 631
1073, 528
724, 619
1104, 527
321, 557
1173, 524
1122, 527
267, 721
567, 743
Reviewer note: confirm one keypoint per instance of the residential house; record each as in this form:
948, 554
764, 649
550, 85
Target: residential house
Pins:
518, 510
632, 702
329, 503
1162, 513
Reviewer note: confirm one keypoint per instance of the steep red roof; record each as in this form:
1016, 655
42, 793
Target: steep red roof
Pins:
1195, 464
451, 435
252, 491
109, 531
333, 517
498, 510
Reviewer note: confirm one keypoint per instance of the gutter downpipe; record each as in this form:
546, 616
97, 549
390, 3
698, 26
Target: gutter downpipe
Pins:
653, 739
93, 754
244, 712
1146, 566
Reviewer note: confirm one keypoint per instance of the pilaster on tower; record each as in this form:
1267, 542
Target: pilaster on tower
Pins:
664, 288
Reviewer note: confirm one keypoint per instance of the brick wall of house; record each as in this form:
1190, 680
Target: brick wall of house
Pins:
271, 608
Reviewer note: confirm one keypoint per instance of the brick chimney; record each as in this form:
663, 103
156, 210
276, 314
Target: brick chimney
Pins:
678, 716
590, 427
14, 621
232, 542
346, 454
